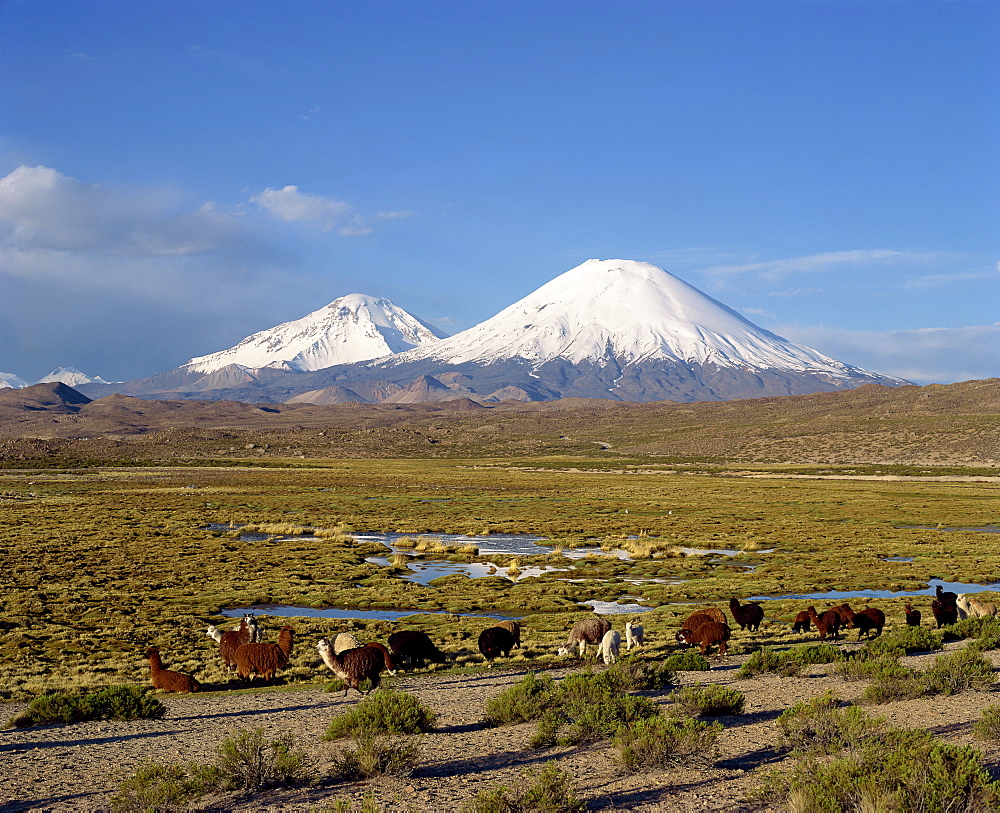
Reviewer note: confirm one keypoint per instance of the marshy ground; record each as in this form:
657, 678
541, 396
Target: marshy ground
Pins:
105, 552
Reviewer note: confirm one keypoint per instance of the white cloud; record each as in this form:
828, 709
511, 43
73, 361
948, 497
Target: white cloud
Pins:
292, 205
957, 278
57, 228
812, 264
926, 355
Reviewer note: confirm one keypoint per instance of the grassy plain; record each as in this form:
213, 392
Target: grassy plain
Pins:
99, 562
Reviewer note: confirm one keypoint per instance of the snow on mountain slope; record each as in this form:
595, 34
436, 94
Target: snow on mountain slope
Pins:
626, 310
71, 377
352, 328
11, 381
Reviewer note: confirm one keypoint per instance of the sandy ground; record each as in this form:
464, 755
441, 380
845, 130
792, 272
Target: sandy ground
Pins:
78, 767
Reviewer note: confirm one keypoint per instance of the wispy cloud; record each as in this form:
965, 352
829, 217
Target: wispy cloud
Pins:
956, 278
926, 355
772, 270
326, 213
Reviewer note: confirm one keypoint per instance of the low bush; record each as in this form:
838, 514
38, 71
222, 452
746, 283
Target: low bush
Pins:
866, 667
247, 760
889, 686
549, 790
111, 702
657, 743
985, 626
988, 726
821, 725
790, 661
525, 700
386, 711
896, 771
159, 787
580, 719
767, 660
817, 653
638, 675
707, 700
959, 671
904, 641
376, 755
686, 662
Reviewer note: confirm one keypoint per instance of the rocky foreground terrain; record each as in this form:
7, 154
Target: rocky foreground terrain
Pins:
78, 767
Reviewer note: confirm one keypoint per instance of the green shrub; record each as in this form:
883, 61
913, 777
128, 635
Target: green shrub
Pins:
821, 725
887, 687
375, 755
959, 671
548, 790
247, 760
159, 787
526, 700
384, 712
767, 660
790, 661
579, 720
904, 641
988, 726
897, 771
817, 653
687, 662
707, 700
976, 628
657, 743
637, 675
865, 667
112, 702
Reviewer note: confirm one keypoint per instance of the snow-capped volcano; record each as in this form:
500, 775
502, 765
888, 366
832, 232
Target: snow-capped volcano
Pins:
350, 329
71, 377
627, 312
11, 381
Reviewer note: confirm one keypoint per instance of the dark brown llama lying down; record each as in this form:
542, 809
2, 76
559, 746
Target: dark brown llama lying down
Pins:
265, 659
166, 680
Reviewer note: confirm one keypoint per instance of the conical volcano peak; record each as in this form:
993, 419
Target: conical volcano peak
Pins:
623, 312
352, 328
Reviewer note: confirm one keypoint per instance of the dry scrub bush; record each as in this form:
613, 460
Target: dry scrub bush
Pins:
893, 771
658, 743
375, 755
707, 700
548, 790
386, 711
821, 726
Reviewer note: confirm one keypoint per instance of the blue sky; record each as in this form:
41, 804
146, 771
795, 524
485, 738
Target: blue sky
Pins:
175, 176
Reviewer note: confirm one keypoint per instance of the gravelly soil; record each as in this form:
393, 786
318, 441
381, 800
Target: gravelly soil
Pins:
78, 767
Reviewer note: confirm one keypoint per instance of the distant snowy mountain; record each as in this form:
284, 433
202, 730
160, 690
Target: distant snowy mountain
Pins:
350, 329
617, 329
71, 377
11, 381
628, 312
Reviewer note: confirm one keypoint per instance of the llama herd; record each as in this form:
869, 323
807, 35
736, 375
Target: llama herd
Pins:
243, 651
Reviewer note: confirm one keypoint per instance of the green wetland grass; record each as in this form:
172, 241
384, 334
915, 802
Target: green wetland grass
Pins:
98, 563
